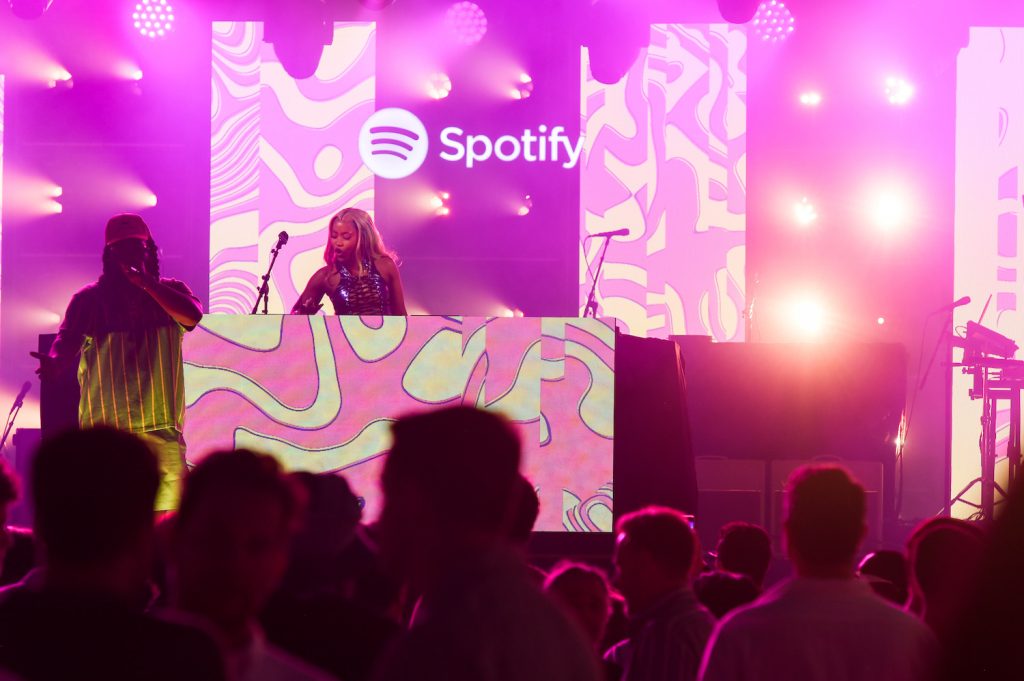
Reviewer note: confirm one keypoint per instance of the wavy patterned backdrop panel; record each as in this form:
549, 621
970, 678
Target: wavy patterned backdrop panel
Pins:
284, 157
665, 156
1, 179
320, 392
987, 225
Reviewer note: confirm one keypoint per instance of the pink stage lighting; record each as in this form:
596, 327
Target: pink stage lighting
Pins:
439, 86
153, 18
523, 87
898, 91
773, 21
804, 212
807, 317
467, 21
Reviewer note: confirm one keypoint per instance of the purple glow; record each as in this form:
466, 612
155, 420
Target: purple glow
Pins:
467, 21
773, 21
153, 18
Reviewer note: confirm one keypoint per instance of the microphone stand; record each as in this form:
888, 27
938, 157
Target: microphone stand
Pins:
264, 293
591, 308
11, 416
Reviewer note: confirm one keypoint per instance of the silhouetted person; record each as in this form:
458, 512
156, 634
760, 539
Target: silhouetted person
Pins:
825, 624
945, 557
79, 616
8, 495
584, 592
744, 549
722, 592
885, 572
312, 614
229, 546
655, 554
449, 486
988, 633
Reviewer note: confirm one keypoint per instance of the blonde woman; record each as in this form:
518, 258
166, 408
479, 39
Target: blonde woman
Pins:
361, 276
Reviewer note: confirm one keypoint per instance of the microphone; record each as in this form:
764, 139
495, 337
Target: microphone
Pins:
955, 304
615, 232
282, 239
20, 399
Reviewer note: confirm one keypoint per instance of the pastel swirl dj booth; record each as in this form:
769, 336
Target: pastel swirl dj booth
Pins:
319, 393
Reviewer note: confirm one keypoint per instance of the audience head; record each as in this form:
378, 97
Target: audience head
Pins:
449, 480
527, 510
824, 525
886, 573
94, 492
584, 593
8, 495
654, 555
745, 549
231, 537
945, 555
721, 592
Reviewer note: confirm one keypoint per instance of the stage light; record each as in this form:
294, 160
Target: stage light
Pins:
804, 212
30, 9
523, 88
153, 18
299, 30
737, 11
439, 85
376, 5
889, 210
810, 98
525, 206
150, 200
898, 91
807, 317
881, 321
57, 192
136, 75
773, 21
60, 77
467, 22
439, 202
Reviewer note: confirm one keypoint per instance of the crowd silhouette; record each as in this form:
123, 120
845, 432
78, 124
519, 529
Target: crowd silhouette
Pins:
262, 575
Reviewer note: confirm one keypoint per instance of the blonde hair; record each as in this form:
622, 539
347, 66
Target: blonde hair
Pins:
371, 245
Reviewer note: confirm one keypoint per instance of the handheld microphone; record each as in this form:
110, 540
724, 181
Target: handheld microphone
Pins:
20, 399
615, 232
282, 239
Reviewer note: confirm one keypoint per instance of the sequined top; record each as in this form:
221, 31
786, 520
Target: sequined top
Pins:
361, 295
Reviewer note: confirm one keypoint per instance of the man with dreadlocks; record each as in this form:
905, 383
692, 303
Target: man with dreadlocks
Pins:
128, 327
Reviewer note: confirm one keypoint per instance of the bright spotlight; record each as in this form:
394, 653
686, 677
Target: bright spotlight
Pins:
804, 212
150, 200
136, 75
57, 192
467, 22
30, 9
881, 321
810, 98
898, 91
523, 88
439, 85
889, 211
525, 206
61, 77
153, 18
439, 202
773, 21
808, 317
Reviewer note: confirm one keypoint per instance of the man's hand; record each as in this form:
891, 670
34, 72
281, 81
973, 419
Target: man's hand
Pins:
138, 278
47, 366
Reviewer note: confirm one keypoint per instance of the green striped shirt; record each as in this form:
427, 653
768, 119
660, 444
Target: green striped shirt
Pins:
130, 371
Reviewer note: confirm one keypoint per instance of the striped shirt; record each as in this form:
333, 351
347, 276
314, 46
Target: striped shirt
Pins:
130, 371
666, 641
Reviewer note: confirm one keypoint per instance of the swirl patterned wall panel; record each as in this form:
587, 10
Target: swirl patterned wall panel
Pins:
284, 157
319, 393
987, 228
665, 156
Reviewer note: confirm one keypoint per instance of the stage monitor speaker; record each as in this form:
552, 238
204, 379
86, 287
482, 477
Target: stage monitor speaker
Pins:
729, 490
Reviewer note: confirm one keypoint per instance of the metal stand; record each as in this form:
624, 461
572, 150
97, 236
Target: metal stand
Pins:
12, 415
591, 308
264, 293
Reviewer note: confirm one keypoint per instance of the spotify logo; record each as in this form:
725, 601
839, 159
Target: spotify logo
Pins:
393, 143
